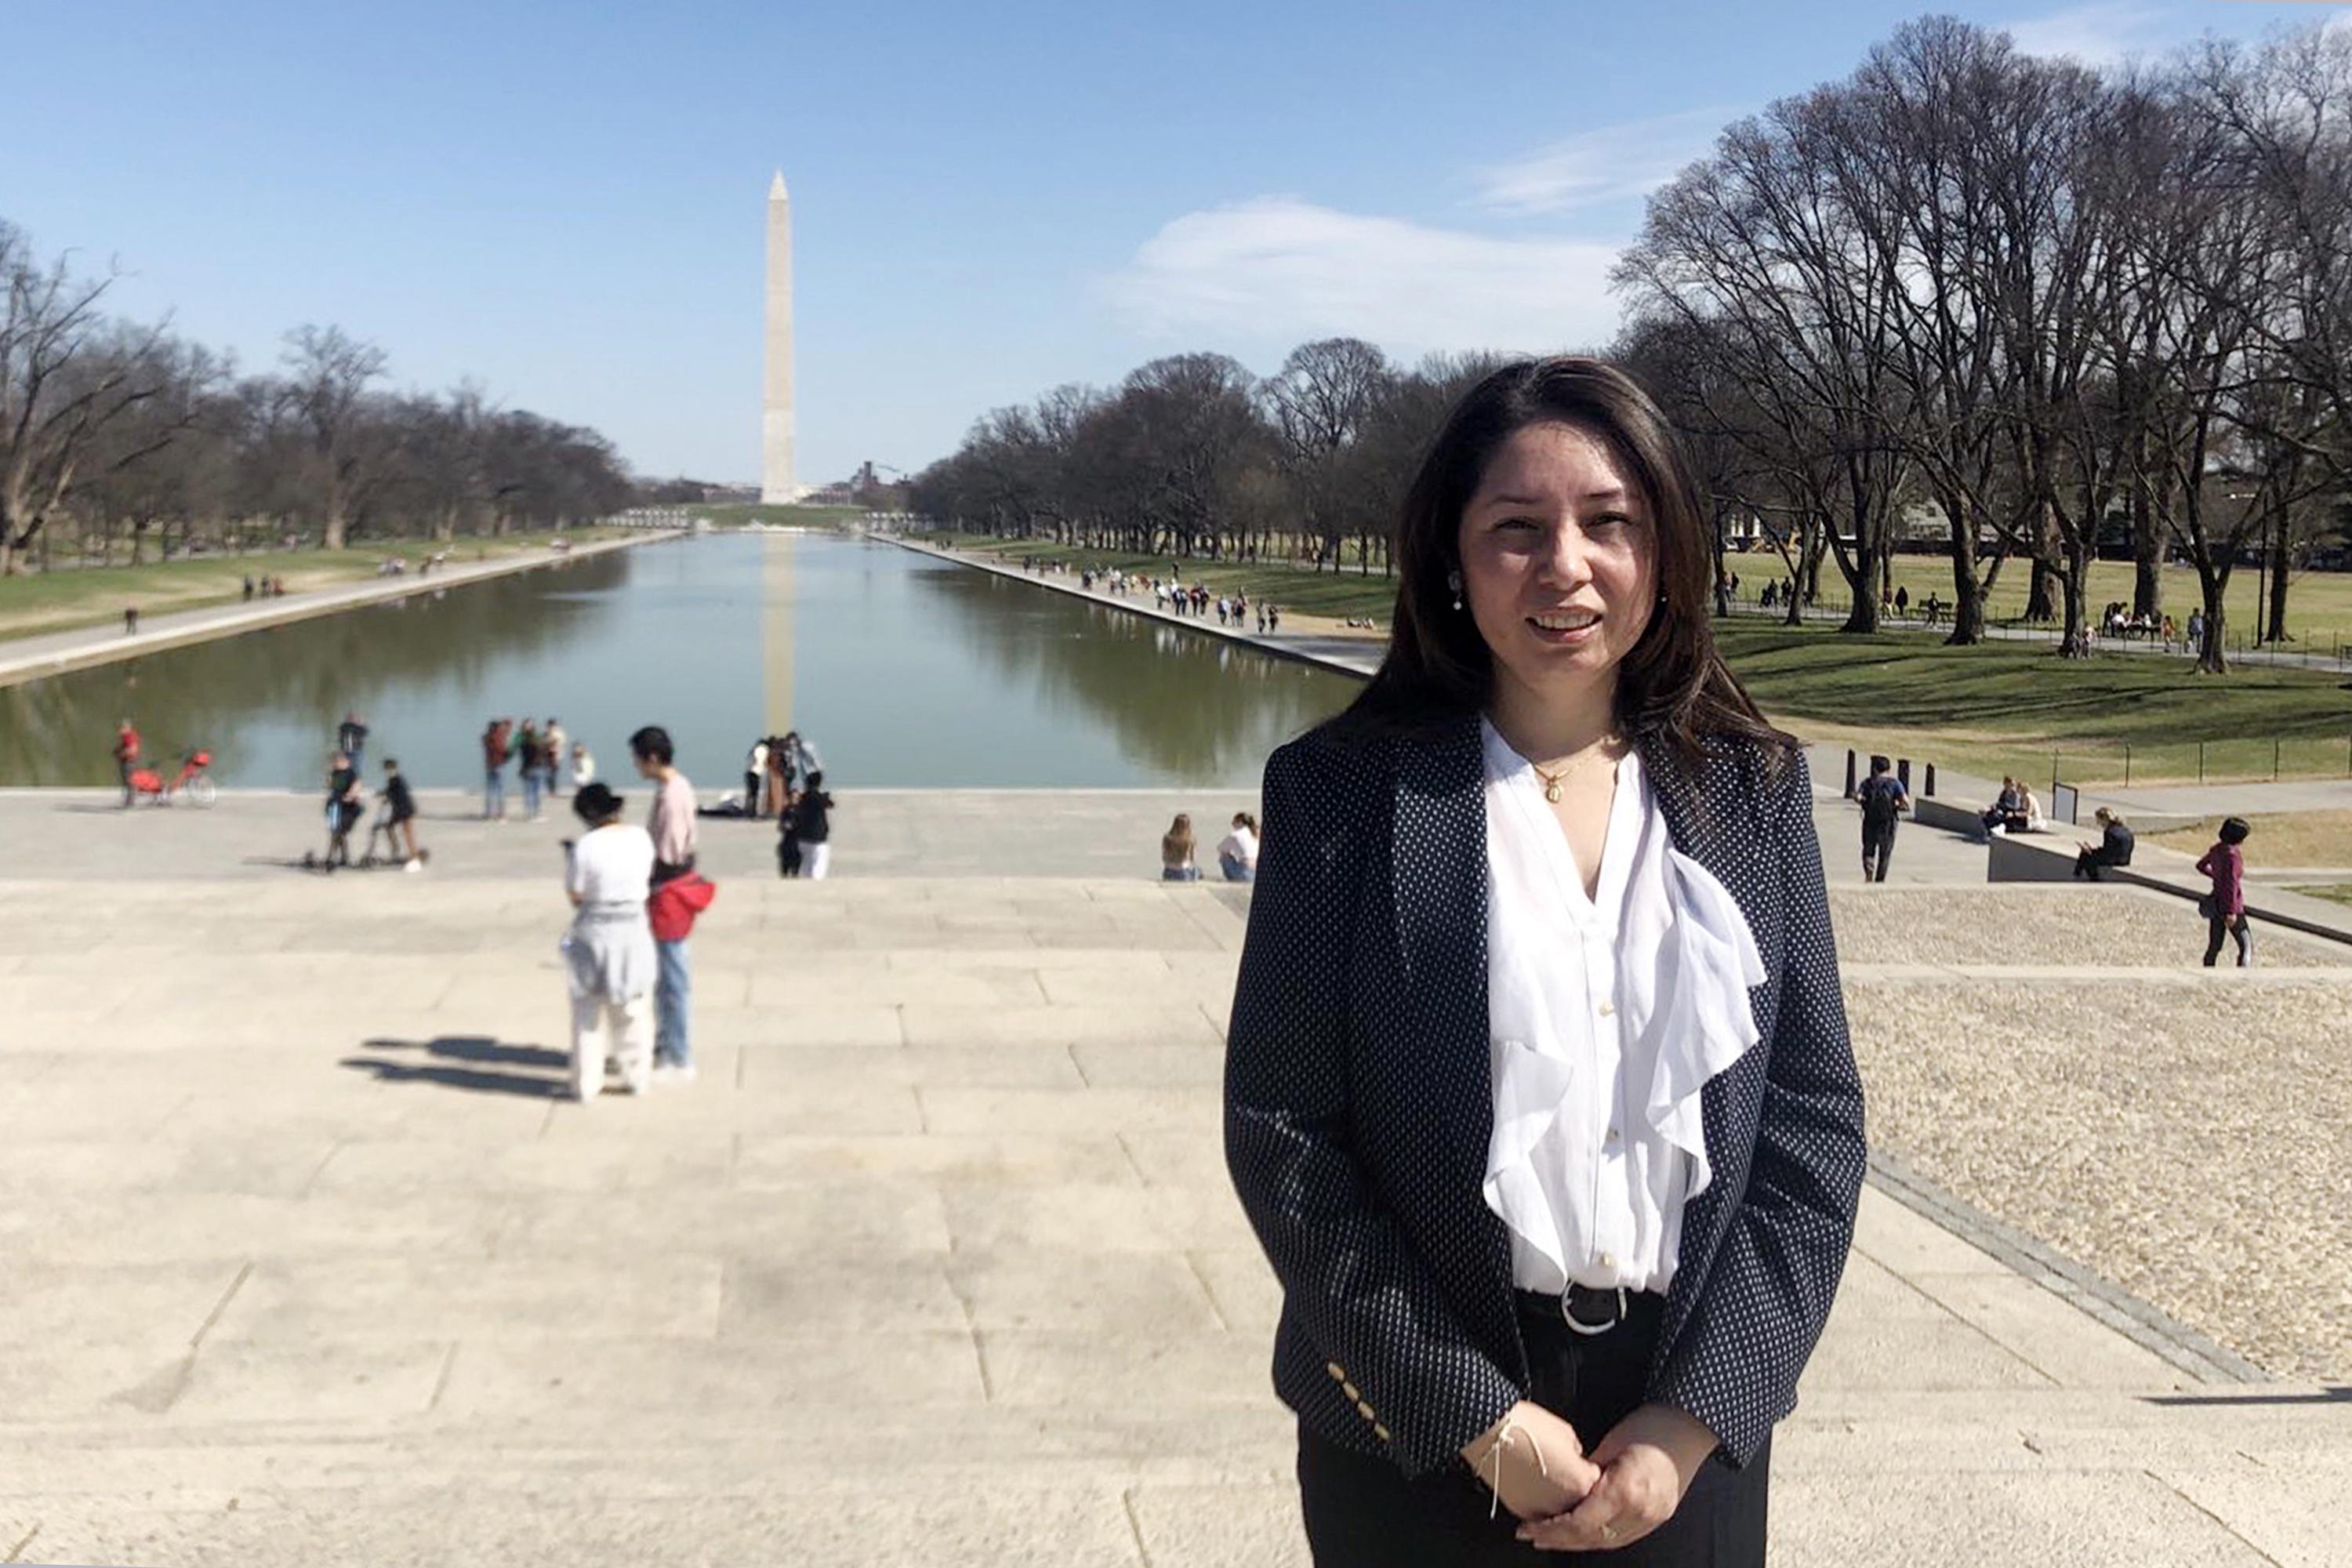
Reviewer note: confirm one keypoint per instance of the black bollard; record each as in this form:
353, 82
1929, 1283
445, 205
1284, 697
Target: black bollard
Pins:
1931, 779
1849, 773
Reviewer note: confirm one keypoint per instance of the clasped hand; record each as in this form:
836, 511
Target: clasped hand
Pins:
1565, 1501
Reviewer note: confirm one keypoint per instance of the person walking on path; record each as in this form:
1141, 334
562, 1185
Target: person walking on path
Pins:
1548, 889
1884, 800
350, 739
126, 759
130, 620
671, 826
1237, 851
494, 778
609, 956
2224, 908
812, 813
2113, 849
1177, 846
400, 814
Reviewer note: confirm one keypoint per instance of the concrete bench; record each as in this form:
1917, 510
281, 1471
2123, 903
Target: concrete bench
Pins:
2017, 859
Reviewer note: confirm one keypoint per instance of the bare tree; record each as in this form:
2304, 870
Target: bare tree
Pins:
328, 376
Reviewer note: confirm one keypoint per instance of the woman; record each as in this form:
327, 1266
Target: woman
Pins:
1537, 1089
609, 951
2224, 908
1237, 851
2114, 849
1176, 848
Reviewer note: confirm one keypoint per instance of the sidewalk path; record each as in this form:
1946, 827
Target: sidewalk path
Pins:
54, 652
938, 1259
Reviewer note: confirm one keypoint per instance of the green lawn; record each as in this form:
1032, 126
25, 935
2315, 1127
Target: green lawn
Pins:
2001, 708
2318, 603
2341, 892
92, 595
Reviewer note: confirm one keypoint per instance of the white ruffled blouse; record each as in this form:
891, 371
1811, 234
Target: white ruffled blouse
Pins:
1606, 1016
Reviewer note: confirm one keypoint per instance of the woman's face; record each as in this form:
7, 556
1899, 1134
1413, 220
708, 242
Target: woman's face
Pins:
1558, 554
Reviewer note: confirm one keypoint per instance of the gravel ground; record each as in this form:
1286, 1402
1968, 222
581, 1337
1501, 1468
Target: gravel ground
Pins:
2184, 1137
2023, 924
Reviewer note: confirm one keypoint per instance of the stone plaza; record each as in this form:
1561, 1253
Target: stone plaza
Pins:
938, 1258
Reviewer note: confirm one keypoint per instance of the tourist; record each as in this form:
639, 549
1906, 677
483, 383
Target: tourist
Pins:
1237, 851
346, 801
350, 739
584, 767
494, 762
1499, 803
671, 826
2007, 813
801, 760
126, 759
130, 620
779, 783
248, 587
755, 778
2224, 908
1273, 617
2113, 849
812, 815
1902, 600
2029, 818
609, 950
400, 815
1176, 848
1884, 800
552, 743
530, 759
789, 858
2197, 631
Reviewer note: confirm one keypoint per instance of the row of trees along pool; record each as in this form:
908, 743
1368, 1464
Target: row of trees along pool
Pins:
1966, 300
112, 430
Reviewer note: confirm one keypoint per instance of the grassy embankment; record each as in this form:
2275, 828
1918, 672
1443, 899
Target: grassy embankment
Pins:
93, 595
2001, 708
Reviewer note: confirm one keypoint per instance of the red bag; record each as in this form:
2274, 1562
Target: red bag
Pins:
672, 907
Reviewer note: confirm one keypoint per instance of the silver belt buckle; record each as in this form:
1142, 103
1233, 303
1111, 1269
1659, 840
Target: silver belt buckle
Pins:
1587, 1329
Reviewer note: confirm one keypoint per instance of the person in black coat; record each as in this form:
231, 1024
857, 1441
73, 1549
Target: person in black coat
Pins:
2113, 849
1553, 565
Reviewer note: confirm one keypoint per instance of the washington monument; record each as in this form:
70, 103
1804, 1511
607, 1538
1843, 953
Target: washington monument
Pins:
776, 482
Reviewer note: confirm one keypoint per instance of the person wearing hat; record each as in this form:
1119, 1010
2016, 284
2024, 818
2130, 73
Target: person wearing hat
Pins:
609, 951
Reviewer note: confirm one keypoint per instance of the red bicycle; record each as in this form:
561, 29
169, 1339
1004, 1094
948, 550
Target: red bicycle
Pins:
193, 783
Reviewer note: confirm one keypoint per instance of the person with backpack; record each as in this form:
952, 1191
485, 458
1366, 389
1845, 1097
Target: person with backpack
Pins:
1884, 800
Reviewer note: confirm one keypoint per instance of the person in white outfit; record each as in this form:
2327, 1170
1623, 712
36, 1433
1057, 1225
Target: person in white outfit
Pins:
609, 951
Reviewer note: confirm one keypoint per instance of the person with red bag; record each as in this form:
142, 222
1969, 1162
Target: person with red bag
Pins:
680, 894
126, 757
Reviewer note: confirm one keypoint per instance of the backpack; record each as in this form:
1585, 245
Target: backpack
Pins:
1879, 798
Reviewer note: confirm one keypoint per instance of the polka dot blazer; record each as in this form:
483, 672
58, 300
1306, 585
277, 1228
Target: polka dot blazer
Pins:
1357, 1104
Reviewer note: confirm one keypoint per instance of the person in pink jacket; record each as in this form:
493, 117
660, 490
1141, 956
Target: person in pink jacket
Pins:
2225, 907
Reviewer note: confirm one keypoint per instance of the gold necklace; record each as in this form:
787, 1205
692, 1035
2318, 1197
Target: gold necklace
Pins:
1551, 782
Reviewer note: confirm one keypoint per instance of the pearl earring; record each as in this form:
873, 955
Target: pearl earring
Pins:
1454, 581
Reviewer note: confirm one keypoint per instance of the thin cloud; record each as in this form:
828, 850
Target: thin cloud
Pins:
1278, 270
2105, 32
1610, 163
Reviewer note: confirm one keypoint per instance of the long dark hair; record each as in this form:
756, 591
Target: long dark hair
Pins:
1673, 686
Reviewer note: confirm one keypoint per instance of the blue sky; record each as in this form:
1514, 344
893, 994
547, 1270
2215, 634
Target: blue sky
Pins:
565, 202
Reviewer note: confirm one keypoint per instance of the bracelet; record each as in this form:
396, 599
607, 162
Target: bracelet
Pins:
1510, 1429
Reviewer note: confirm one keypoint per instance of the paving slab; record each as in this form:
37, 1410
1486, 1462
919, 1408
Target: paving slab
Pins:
313, 1264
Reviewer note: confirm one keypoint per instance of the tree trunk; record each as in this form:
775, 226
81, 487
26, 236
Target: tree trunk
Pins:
2074, 642
2275, 615
2212, 658
2147, 552
1968, 593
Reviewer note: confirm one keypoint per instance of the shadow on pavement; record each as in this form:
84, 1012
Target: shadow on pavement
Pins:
470, 1062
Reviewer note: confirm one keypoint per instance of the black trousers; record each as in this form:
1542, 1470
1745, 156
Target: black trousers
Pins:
1362, 1512
1877, 850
